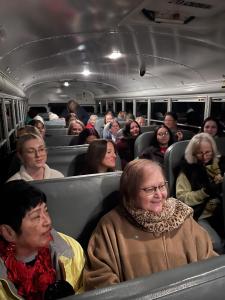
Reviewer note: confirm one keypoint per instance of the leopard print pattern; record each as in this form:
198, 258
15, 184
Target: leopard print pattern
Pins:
171, 217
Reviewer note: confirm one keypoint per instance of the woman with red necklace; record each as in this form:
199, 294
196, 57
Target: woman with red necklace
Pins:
36, 262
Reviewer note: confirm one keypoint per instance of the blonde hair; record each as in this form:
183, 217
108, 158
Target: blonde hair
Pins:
77, 122
27, 129
24, 138
194, 144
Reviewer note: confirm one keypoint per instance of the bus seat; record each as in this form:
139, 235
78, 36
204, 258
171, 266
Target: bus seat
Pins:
122, 124
58, 123
187, 134
63, 158
77, 203
59, 140
142, 142
99, 126
220, 142
148, 128
199, 280
172, 160
56, 131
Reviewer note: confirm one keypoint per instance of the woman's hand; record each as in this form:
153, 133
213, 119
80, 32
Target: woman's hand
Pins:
218, 178
179, 135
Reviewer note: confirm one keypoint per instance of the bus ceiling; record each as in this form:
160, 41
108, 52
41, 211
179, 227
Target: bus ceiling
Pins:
53, 50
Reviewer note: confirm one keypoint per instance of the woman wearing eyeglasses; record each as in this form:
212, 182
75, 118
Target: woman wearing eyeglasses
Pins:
161, 140
147, 233
36, 262
33, 155
199, 185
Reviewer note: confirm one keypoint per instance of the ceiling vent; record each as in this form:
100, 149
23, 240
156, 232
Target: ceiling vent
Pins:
191, 4
163, 17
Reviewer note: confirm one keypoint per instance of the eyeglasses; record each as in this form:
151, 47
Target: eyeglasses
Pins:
163, 133
207, 153
34, 152
151, 190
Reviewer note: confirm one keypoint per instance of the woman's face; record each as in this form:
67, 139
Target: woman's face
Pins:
75, 128
33, 154
35, 231
109, 161
163, 136
108, 118
170, 122
92, 120
141, 121
210, 127
115, 128
134, 129
204, 153
41, 128
152, 193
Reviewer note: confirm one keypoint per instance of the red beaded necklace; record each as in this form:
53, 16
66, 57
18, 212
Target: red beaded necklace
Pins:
31, 280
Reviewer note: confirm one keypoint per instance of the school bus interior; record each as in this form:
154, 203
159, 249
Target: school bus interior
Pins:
144, 57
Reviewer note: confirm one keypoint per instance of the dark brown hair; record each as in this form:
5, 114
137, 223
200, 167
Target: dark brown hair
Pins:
96, 153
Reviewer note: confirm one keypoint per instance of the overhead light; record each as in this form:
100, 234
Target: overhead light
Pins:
66, 83
115, 54
86, 72
81, 47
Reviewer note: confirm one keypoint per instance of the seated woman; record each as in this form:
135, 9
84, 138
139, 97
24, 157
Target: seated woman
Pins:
212, 127
125, 145
39, 125
87, 136
75, 127
111, 130
108, 117
141, 121
101, 157
32, 152
199, 185
147, 233
14, 163
36, 262
91, 121
161, 140
170, 120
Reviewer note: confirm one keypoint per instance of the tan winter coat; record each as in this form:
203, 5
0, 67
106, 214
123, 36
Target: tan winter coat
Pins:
119, 250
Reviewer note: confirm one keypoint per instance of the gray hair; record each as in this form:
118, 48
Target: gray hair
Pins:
194, 144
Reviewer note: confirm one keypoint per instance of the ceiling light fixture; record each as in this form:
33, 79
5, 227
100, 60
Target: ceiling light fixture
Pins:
86, 72
115, 54
66, 83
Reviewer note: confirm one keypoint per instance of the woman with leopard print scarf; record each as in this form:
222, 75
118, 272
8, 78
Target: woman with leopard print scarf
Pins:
147, 233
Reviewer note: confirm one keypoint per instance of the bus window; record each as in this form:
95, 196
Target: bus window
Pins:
118, 106
190, 112
158, 109
110, 106
142, 108
129, 106
218, 109
9, 115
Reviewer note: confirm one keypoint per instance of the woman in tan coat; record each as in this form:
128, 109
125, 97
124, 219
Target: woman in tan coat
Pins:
147, 233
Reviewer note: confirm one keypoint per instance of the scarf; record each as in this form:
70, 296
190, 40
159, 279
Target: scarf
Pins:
171, 217
30, 279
